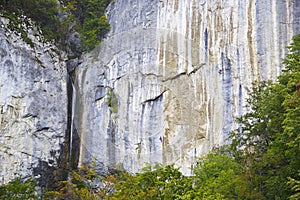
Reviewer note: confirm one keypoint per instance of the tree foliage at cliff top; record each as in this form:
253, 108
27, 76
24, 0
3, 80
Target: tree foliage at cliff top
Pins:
58, 19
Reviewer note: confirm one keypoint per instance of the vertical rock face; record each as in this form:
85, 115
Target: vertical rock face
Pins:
221, 48
119, 97
172, 76
33, 106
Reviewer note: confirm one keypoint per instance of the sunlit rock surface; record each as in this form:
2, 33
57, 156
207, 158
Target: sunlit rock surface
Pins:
165, 85
33, 106
172, 76
220, 47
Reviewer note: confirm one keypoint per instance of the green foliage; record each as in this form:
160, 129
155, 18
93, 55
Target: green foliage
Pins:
19, 189
219, 176
112, 101
80, 186
267, 143
58, 20
43, 12
90, 20
162, 183
258, 144
95, 25
295, 184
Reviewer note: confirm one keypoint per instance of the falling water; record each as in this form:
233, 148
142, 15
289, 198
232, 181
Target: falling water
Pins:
71, 114
72, 121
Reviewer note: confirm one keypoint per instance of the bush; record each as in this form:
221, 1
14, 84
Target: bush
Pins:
19, 189
58, 20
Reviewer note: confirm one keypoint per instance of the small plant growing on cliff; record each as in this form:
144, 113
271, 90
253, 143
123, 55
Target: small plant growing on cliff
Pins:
112, 101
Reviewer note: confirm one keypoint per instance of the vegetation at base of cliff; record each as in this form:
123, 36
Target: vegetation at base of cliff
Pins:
82, 184
57, 20
268, 141
261, 162
19, 189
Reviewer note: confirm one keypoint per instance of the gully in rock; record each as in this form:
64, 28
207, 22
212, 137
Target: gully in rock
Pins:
73, 102
72, 139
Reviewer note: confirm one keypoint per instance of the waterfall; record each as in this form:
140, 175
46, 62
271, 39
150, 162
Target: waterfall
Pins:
72, 143
72, 122
71, 113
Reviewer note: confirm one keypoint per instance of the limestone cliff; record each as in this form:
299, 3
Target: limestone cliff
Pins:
172, 76
165, 85
33, 106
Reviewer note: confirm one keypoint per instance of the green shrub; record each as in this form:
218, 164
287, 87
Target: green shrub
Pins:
57, 20
19, 189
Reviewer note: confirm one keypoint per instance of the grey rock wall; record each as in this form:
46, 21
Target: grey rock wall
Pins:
119, 99
238, 41
33, 106
172, 76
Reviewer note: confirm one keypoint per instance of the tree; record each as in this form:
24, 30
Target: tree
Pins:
91, 21
43, 12
267, 142
161, 183
219, 176
57, 20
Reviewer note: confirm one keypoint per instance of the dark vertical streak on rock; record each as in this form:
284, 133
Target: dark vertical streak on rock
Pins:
206, 40
69, 125
240, 92
227, 95
48, 176
74, 150
111, 142
126, 134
